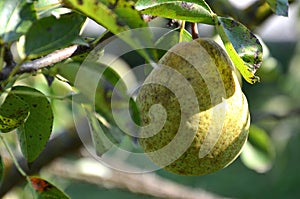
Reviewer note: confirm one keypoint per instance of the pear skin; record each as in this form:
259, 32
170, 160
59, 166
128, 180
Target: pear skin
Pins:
195, 116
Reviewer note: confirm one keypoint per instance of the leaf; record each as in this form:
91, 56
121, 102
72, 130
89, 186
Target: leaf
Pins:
35, 132
45, 8
16, 17
170, 39
101, 137
46, 190
258, 153
242, 46
13, 113
118, 16
49, 34
105, 85
188, 10
280, 7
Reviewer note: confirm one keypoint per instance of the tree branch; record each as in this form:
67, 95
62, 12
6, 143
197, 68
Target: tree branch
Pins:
146, 184
50, 59
263, 116
68, 141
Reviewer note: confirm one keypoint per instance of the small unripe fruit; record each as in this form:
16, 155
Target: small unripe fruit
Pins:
195, 116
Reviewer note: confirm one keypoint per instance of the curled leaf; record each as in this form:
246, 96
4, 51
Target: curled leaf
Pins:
243, 47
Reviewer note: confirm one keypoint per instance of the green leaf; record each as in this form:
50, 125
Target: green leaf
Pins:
67, 70
280, 7
45, 8
49, 34
103, 90
118, 16
242, 46
101, 137
35, 132
13, 113
16, 17
188, 10
258, 153
46, 190
170, 39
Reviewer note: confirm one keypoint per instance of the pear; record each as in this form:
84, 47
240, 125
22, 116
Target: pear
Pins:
195, 117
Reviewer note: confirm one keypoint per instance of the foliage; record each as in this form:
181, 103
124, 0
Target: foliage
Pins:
40, 29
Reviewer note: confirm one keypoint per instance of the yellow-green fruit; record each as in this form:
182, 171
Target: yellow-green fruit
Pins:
195, 116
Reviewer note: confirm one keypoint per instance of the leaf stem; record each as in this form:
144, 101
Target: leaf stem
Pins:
181, 31
15, 161
22, 172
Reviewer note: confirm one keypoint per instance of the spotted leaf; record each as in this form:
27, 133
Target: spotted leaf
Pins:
242, 45
13, 113
35, 132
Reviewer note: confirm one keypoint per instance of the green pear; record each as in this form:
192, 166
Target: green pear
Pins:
195, 116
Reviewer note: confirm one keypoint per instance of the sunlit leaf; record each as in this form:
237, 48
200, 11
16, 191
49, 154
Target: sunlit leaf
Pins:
46, 190
118, 16
49, 34
189, 10
280, 7
258, 153
13, 113
45, 8
35, 132
16, 17
242, 46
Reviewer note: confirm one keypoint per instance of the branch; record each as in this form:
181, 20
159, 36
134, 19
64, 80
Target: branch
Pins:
67, 142
263, 116
146, 184
50, 59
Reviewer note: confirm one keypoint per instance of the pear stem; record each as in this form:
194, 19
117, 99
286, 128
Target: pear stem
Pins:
195, 32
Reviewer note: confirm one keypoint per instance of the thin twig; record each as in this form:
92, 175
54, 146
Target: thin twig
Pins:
48, 60
21, 171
